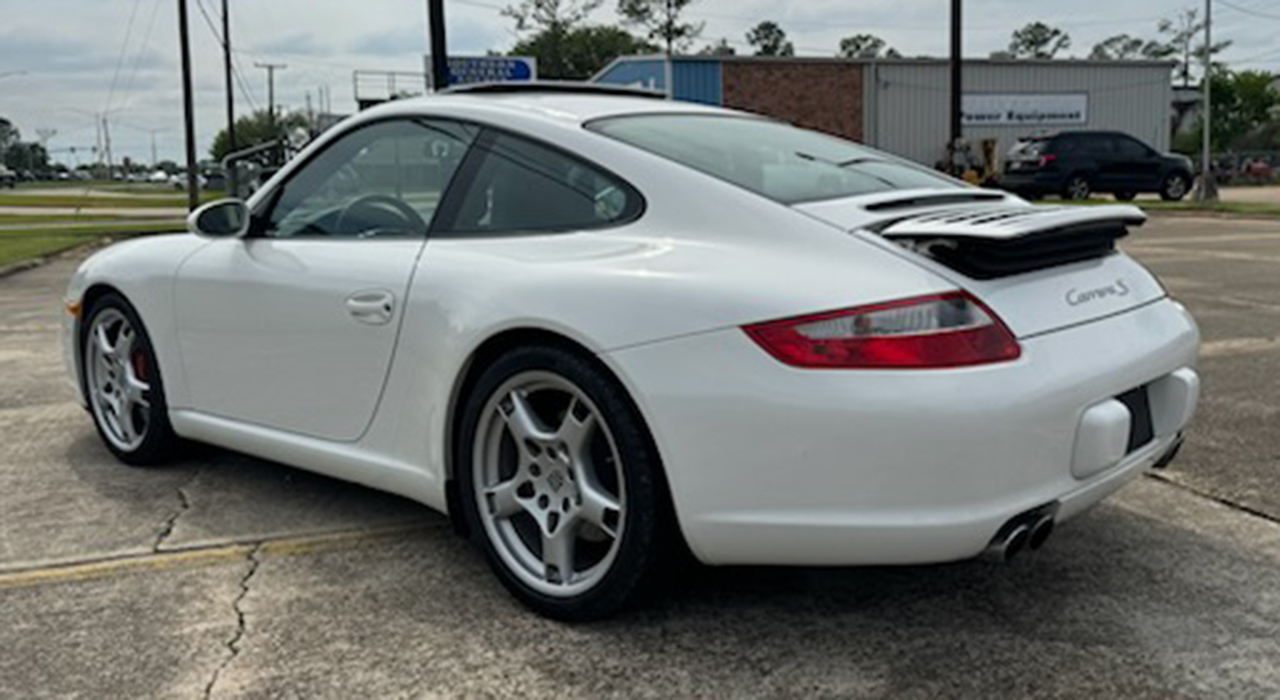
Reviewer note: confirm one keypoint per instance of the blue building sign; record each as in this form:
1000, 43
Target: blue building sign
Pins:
466, 70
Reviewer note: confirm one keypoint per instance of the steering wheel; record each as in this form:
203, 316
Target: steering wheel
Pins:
379, 208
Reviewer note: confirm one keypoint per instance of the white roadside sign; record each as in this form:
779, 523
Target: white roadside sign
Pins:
1025, 109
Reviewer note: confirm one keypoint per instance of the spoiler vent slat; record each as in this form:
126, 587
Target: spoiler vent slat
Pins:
1001, 242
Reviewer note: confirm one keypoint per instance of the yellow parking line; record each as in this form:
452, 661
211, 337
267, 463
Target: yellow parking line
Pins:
200, 557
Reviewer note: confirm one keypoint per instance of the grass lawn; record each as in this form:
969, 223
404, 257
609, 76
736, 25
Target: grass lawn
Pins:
22, 219
81, 201
23, 244
1241, 208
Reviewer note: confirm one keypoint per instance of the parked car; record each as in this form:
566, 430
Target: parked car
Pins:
643, 328
8, 178
1075, 164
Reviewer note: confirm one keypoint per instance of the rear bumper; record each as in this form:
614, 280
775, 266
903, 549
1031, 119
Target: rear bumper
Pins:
1035, 181
774, 465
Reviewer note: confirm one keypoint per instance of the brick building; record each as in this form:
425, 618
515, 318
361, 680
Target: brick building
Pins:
901, 105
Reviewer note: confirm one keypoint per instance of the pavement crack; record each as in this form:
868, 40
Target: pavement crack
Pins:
184, 504
233, 644
1238, 507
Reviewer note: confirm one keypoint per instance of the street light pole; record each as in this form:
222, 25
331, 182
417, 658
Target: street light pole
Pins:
957, 79
1208, 191
231, 97
184, 40
439, 52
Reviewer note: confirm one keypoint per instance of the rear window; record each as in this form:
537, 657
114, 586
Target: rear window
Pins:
779, 161
1029, 149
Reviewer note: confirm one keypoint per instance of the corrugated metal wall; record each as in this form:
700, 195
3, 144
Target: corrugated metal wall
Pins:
907, 113
697, 81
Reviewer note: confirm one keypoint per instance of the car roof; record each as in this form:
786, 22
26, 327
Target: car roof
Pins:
554, 102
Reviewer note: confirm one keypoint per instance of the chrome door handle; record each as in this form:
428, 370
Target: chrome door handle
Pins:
372, 306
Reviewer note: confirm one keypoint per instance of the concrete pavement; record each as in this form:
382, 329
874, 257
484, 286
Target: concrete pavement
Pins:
227, 576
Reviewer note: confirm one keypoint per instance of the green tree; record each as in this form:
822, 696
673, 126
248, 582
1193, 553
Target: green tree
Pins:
1038, 40
1121, 47
21, 155
1183, 41
555, 15
256, 129
1242, 105
866, 46
770, 40
9, 134
720, 48
578, 53
660, 20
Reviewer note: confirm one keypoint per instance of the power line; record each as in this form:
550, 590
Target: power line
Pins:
133, 15
235, 67
1248, 11
142, 48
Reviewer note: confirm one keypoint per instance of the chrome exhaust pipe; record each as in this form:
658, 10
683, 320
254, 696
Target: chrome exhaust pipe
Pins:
1007, 547
1040, 532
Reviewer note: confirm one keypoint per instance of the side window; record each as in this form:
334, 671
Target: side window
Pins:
384, 180
522, 187
1129, 149
1097, 145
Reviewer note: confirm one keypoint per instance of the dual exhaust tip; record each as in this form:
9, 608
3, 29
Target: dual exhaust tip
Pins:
1023, 533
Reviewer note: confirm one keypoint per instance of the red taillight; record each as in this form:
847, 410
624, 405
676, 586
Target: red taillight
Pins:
929, 332
1046, 160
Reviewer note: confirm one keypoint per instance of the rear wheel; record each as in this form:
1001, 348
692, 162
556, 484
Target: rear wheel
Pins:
1077, 188
561, 484
123, 384
1175, 187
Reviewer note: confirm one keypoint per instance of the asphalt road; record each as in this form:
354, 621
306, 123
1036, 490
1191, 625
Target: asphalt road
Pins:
228, 576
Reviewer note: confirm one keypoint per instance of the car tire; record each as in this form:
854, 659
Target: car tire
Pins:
123, 385
553, 456
1077, 188
1175, 187
1126, 196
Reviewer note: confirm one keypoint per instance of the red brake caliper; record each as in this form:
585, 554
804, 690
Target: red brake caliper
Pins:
139, 365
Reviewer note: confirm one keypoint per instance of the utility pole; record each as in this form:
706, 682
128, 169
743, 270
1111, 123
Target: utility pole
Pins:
231, 96
1208, 190
957, 82
189, 117
106, 144
271, 69
439, 52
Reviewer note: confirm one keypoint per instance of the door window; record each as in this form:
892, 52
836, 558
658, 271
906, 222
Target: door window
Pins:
1128, 149
522, 187
383, 180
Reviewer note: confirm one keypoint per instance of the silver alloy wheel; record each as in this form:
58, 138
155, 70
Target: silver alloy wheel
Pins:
116, 374
1078, 189
549, 484
1176, 188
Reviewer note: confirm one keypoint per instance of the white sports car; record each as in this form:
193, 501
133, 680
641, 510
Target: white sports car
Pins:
599, 328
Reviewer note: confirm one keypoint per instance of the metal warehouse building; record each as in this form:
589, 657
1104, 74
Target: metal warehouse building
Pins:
901, 105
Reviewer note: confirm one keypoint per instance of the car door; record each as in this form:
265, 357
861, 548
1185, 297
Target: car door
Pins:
1099, 151
1138, 165
294, 326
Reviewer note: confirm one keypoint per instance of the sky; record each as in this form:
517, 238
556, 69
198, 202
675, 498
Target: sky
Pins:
78, 58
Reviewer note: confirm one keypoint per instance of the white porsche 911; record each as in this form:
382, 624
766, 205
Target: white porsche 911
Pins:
597, 327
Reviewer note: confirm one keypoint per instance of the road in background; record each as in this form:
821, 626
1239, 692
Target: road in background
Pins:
225, 575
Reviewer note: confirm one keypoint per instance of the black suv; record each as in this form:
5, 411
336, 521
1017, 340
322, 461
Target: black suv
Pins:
1075, 164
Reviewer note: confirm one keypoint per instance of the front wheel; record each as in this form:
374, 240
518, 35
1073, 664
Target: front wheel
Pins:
1077, 189
561, 484
123, 385
1175, 187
